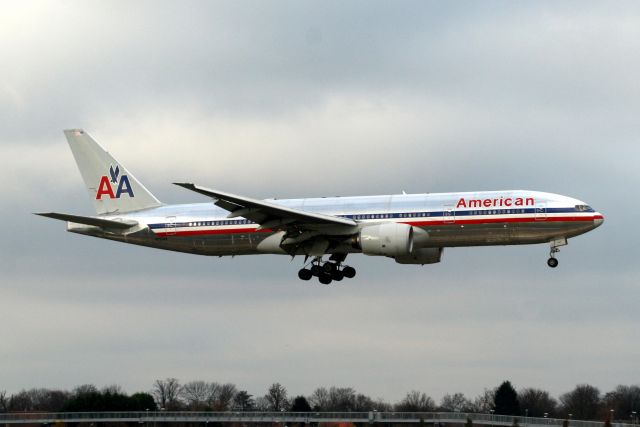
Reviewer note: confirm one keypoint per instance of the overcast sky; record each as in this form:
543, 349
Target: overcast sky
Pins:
303, 99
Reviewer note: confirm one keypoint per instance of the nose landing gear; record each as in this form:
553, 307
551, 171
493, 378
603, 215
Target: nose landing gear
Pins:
327, 271
552, 261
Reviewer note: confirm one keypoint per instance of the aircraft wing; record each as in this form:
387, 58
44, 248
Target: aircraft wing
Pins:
268, 215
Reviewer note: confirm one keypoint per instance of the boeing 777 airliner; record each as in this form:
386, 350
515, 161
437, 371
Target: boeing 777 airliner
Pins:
410, 228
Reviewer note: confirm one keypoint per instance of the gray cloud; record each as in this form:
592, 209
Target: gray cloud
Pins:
291, 99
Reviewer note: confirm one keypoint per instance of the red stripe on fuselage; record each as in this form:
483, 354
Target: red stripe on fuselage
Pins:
540, 219
216, 231
432, 223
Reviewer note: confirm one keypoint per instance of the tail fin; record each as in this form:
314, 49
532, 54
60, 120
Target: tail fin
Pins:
111, 187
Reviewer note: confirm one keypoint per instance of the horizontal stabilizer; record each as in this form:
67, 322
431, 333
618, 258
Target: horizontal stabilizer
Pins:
88, 220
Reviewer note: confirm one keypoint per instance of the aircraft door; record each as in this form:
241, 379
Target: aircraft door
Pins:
449, 214
171, 226
541, 211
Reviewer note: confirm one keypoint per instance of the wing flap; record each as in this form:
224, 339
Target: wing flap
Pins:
231, 207
88, 220
263, 212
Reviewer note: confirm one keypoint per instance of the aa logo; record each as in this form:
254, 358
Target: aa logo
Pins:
107, 184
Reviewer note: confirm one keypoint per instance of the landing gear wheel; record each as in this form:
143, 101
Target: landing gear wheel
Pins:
552, 262
337, 275
305, 274
349, 272
325, 278
316, 270
329, 267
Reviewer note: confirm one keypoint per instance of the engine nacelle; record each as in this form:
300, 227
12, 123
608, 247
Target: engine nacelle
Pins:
421, 256
271, 245
388, 239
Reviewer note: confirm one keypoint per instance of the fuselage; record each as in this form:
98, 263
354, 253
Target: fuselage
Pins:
448, 220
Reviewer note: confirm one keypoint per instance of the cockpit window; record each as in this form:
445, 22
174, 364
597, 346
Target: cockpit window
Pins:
584, 208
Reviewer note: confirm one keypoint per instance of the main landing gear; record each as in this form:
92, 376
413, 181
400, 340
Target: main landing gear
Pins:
327, 271
552, 261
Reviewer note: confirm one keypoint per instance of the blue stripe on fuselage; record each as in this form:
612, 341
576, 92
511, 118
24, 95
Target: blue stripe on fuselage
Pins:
402, 215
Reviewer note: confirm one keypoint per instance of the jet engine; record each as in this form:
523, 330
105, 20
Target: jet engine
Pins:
388, 239
421, 256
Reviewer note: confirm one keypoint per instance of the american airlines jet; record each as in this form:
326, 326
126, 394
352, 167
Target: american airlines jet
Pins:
409, 228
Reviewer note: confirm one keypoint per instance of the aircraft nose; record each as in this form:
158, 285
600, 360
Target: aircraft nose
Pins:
598, 219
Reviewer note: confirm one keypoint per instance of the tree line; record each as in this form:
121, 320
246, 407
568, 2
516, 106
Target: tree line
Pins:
584, 402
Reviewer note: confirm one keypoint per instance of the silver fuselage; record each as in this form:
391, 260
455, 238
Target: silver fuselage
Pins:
511, 217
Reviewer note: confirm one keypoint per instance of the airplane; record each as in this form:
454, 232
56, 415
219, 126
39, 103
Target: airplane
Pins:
409, 228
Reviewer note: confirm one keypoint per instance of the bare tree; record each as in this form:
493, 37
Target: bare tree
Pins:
84, 389
381, 405
36, 399
583, 402
56, 400
341, 399
363, 403
224, 397
262, 404
537, 402
277, 397
319, 399
455, 403
624, 400
483, 403
43, 399
166, 393
199, 395
416, 401
20, 402
4, 401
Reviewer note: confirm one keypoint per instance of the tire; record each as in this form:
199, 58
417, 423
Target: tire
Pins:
552, 262
329, 267
349, 272
337, 275
315, 270
304, 274
325, 278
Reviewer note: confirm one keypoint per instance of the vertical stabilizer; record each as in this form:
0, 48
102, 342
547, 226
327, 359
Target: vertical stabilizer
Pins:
111, 187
